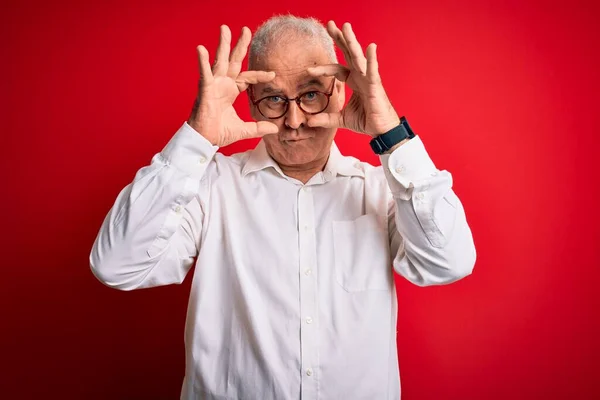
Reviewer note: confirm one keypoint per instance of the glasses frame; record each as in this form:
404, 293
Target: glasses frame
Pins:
296, 99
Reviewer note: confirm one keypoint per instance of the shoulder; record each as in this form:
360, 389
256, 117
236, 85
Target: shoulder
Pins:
369, 171
229, 163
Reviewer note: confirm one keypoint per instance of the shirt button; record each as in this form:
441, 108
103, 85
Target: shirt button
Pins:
202, 160
400, 169
420, 196
306, 227
433, 173
308, 320
178, 209
307, 272
309, 371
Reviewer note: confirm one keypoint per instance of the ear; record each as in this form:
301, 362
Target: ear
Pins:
340, 88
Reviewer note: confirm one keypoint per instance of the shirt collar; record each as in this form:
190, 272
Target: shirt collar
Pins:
337, 164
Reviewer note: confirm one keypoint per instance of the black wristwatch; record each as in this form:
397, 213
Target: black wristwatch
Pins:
383, 143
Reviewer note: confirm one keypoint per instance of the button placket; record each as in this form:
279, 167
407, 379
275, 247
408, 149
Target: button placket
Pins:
308, 291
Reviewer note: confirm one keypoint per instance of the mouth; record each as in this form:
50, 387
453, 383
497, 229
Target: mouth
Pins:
295, 140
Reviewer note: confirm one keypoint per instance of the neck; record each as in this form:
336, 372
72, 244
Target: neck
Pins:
304, 173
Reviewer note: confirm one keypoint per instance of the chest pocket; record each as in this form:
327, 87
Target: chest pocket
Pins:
362, 254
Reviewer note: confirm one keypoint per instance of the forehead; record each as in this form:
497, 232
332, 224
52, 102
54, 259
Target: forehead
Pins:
289, 60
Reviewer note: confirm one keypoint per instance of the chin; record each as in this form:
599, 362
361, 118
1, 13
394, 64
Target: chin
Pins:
299, 159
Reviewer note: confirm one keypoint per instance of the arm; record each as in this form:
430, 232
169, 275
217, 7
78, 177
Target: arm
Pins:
430, 237
152, 233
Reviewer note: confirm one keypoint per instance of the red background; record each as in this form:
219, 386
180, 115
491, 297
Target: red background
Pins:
503, 93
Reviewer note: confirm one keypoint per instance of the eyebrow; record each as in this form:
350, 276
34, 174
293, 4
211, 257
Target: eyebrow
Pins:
313, 82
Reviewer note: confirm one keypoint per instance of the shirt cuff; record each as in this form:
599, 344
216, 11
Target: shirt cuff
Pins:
406, 166
189, 151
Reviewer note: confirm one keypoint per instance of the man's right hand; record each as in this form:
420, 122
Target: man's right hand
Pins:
213, 115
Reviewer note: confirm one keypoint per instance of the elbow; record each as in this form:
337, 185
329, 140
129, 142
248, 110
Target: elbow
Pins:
462, 267
442, 269
104, 270
461, 264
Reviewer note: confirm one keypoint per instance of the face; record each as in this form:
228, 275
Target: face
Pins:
297, 146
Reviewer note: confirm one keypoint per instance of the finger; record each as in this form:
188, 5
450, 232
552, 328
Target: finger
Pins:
239, 53
259, 129
339, 40
356, 52
372, 64
326, 120
339, 71
222, 57
252, 78
204, 63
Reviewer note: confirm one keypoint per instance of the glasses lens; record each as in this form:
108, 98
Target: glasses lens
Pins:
276, 106
272, 107
314, 102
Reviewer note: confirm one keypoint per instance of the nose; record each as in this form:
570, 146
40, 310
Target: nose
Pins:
294, 117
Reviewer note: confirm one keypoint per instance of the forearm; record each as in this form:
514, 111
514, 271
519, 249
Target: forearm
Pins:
433, 242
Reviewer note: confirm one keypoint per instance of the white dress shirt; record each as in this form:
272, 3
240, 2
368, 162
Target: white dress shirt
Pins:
293, 293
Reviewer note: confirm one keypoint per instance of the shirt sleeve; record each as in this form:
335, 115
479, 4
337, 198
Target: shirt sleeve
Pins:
152, 232
430, 239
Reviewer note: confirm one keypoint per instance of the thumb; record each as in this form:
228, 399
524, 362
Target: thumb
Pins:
326, 120
259, 129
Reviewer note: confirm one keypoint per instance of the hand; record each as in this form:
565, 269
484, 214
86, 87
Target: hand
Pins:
369, 110
213, 115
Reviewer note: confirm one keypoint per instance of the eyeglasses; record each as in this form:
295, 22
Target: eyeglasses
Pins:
273, 107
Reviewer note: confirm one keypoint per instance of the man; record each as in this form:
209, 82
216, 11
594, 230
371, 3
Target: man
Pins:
293, 293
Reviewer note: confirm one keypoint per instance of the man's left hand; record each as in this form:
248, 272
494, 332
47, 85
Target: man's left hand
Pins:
369, 109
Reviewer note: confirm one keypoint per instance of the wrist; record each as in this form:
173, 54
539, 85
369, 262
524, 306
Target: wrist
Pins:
391, 150
389, 123
393, 138
199, 128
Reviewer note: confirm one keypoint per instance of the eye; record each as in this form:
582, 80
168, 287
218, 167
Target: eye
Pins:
310, 96
275, 99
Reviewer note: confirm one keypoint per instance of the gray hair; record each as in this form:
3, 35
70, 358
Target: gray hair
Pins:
277, 28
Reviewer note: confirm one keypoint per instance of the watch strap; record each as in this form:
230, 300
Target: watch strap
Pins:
382, 143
